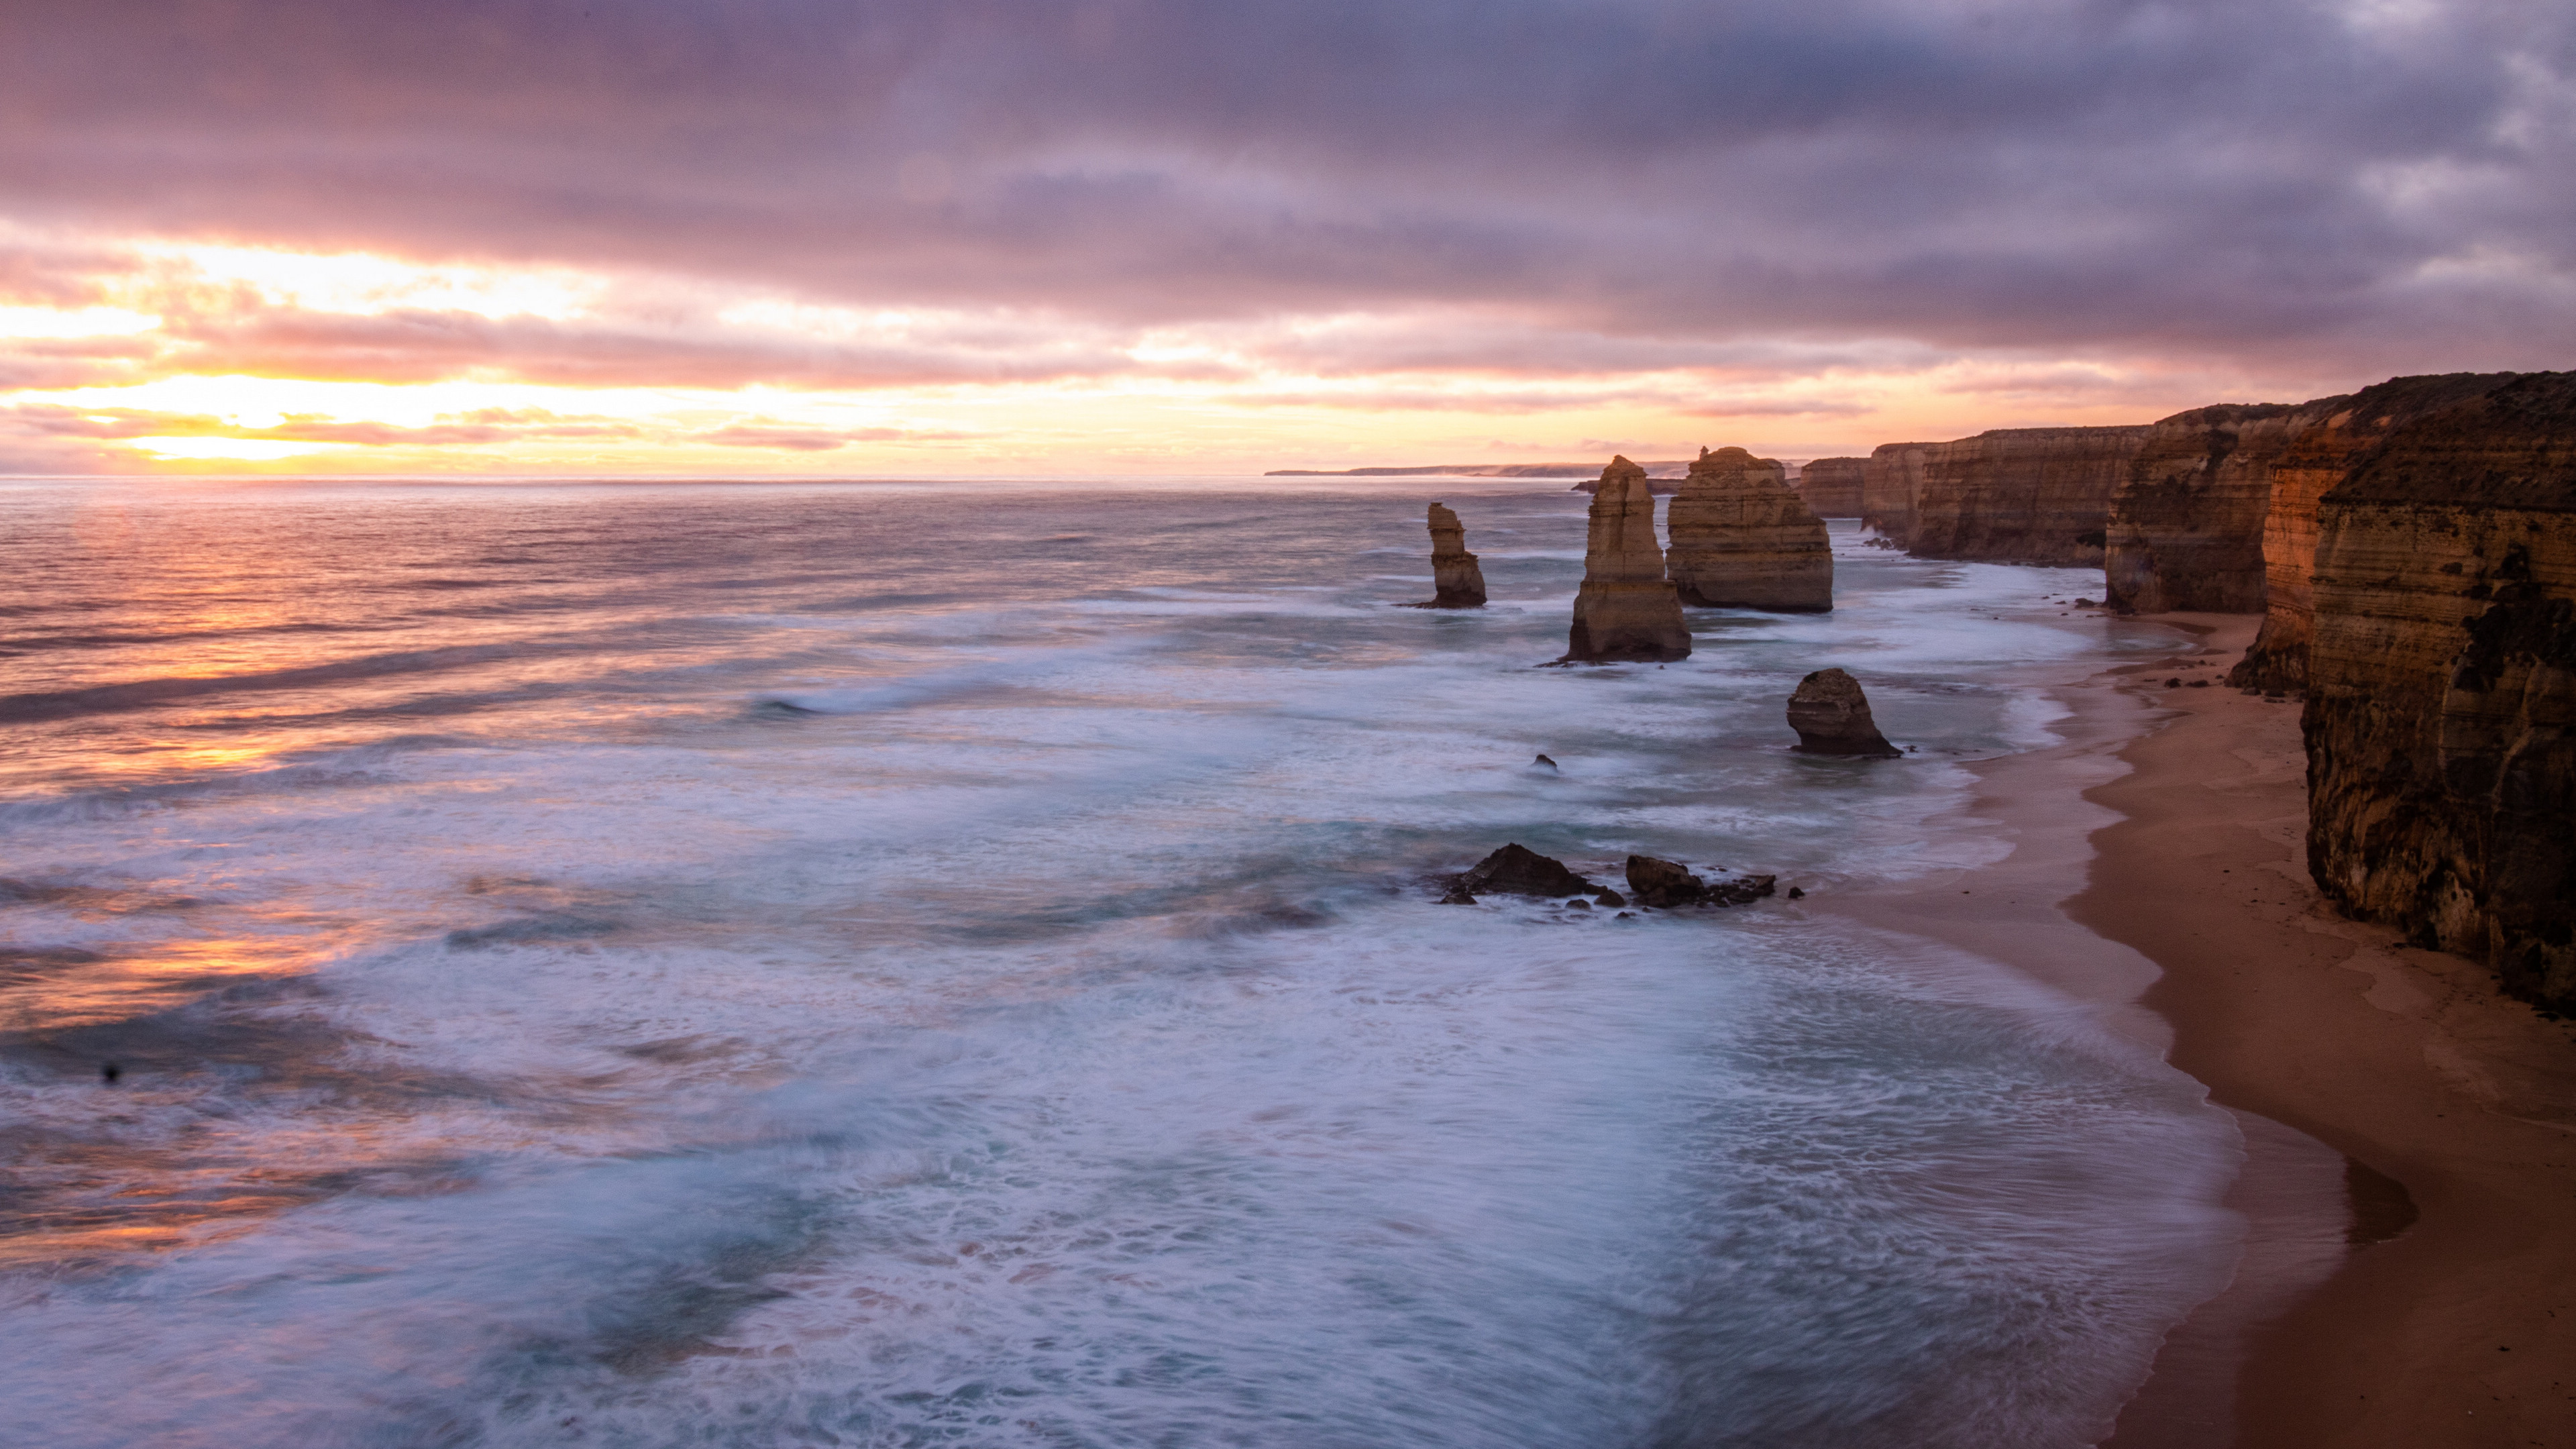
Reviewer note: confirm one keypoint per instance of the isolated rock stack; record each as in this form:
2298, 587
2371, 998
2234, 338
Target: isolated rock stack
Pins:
1456, 580
1742, 538
1626, 609
1832, 717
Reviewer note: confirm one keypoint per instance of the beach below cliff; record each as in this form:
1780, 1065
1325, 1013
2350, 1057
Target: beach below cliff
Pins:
2408, 1275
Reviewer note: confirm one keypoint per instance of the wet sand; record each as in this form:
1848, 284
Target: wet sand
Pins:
2174, 894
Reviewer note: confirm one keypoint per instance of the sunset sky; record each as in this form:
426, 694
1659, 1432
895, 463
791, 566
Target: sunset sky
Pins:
1021, 236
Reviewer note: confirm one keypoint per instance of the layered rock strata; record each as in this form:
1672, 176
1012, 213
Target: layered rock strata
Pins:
2021, 495
1891, 479
1832, 486
2441, 714
1626, 609
2186, 526
1831, 715
1742, 538
2300, 476
1457, 581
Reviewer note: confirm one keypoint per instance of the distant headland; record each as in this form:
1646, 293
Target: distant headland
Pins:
1670, 468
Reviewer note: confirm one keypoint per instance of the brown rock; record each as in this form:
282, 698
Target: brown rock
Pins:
1891, 480
1742, 538
2186, 529
1458, 582
1831, 716
1626, 608
1517, 870
2300, 478
1663, 884
1832, 486
2441, 715
2022, 495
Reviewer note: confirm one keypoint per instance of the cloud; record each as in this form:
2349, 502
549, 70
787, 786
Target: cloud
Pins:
1607, 189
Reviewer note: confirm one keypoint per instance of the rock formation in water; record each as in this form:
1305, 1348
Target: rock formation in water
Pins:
1742, 538
2301, 475
2022, 495
2441, 715
1832, 486
1669, 885
1626, 609
1517, 870
2186, 529
1456, 580
1831, 716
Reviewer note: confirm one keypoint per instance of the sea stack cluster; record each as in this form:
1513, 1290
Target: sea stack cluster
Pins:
1626, 609
1742, 538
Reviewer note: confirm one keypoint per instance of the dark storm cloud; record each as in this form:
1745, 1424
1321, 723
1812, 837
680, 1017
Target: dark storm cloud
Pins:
2378, 178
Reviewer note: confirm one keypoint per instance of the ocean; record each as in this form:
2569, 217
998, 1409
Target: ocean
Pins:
959, 964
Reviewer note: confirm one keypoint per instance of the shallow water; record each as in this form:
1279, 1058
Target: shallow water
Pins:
812, 964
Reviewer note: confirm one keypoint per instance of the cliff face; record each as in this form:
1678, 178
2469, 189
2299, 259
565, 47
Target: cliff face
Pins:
1891, 479
2022, 495
1742, 538
1455, 576
2441, 714
1832, 486
2305, 469
2186, 527
1626, 608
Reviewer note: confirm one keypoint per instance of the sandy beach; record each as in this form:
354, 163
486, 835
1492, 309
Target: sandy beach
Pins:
2409, 1273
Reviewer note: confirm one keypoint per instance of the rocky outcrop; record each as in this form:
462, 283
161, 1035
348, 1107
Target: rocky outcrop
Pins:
2186, 528
1669, 885
2441, 714
1517, 870
1831, 716
1457, 581
2022, 495
1832, 486
1626, 609
1891, 479
1743, 539
2301, 475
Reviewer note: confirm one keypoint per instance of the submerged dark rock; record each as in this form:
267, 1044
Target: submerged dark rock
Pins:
1831, 716
1663, 883
1517, 870
1458, 895
1544, 760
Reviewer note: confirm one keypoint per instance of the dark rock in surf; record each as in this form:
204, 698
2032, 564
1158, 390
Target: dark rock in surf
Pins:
1517, 870
1663, 883
1609, 897
1832, 717
1458, 895
1544, 760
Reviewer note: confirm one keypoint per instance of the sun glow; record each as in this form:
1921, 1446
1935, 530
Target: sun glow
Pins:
252, 450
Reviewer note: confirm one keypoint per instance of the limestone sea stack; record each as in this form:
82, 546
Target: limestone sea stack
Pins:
1832, 486
2441, 714
1743, 539
1456, 580
1891, 478
1626, 609
1831, 716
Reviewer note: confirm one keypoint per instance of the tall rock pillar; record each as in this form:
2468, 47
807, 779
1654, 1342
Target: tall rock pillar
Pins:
1458, 582
1626, 609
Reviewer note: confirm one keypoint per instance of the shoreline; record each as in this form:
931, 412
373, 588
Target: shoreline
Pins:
2171, 894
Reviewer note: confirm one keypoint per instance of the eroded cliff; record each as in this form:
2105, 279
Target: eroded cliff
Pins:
1832, 486
1742, 538
2301, 474
2441, 713
2186, 525
1891, 479
2021, 495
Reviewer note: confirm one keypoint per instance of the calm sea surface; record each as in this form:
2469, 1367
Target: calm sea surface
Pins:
908, 965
